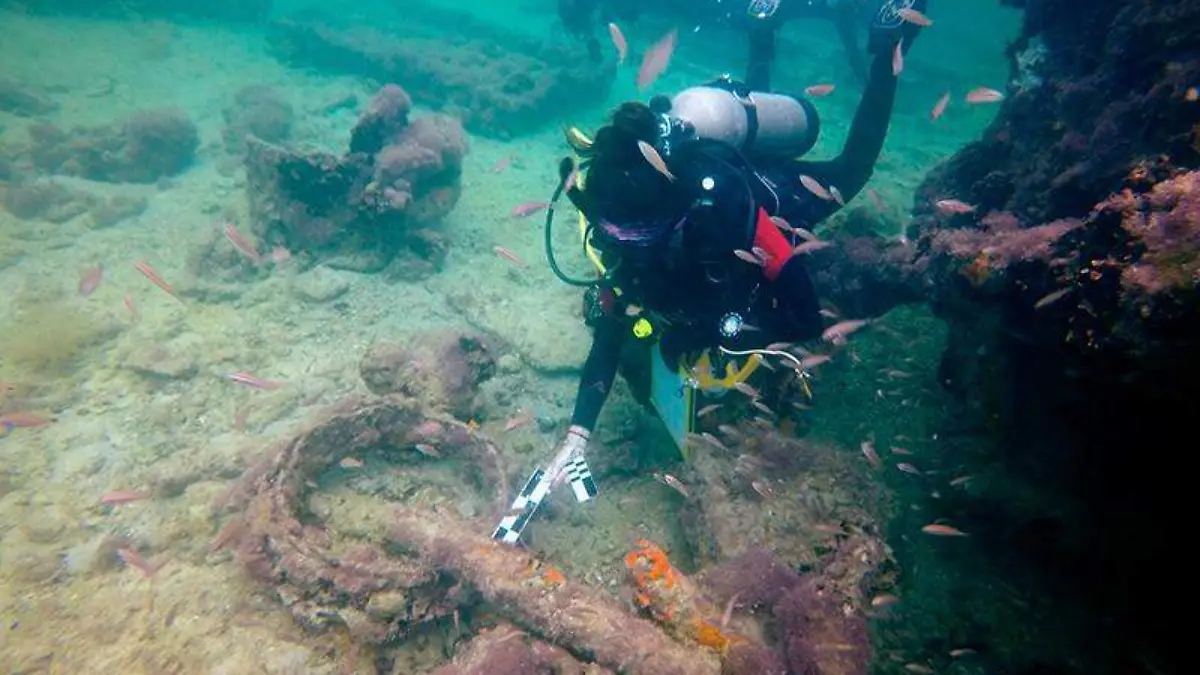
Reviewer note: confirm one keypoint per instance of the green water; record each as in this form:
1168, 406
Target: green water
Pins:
141, 403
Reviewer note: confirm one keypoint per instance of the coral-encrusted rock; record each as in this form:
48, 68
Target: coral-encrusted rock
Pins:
150, 145
499, 84
257, 111
375, 203
442, 370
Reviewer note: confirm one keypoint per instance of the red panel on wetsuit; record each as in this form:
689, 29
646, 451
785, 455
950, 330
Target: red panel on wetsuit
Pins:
768, 237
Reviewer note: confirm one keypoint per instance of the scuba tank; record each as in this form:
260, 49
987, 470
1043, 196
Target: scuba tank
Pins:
760, 124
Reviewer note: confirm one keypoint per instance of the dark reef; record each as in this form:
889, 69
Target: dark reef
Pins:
1071, 296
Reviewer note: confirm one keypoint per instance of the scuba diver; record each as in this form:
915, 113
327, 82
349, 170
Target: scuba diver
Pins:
762, 19
679, 202
580, 16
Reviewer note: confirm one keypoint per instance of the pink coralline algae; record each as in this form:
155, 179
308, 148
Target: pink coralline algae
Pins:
1165, 227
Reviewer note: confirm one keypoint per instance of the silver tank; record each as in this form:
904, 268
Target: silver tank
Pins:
786, 126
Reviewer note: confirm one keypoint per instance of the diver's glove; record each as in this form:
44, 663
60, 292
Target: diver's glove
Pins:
887, 27
568, 463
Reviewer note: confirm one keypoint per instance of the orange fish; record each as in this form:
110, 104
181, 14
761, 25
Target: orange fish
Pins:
90, 280
656, 60
939, 530
868, 451
655, 160
618, 40
156, 279
953, 207
509, 256
1052, 298
842, 329
133, 313
876, 200
939, 107
914, 17
810, 362
898, 59
819, 90
242, 244
984, 95
23, 420
815, 187
810, 246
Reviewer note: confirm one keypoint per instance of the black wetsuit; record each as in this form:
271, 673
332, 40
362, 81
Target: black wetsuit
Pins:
847, 16
784, 307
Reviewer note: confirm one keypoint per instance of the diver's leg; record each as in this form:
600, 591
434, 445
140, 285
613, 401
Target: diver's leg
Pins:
762, 54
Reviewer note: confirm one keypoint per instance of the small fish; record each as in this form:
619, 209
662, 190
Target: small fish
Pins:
134, 315
1191, 95
953, 207
837, 195
509, 256
893, 374
815, 187
761, 254
502, 164
908, 468
618, 40
118, 497
747, 390
24, 420
884, 600
351, 463
984, 95
656, 59
842, 329
132, 558
961, 652
729, 430
819, 90
527, 209
280, 254
903, 452
763, 407
918, 668
762, 489
747, 256
519, 420
242, 244
939, 107
914, 17
940, 530
655, 160
810, 246
90, 280
708, 409
961, 480
427, 450
810, 362
898, 58
252, 381
1052, 297
713, 441
876, 200
672, 482
155, 278
783, 225
727, 615
868, 451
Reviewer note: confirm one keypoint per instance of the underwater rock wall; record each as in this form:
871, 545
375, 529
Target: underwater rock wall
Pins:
1071, 293
499, 85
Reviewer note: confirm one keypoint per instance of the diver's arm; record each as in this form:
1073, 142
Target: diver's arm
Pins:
790, 283
598, 372
850, 171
